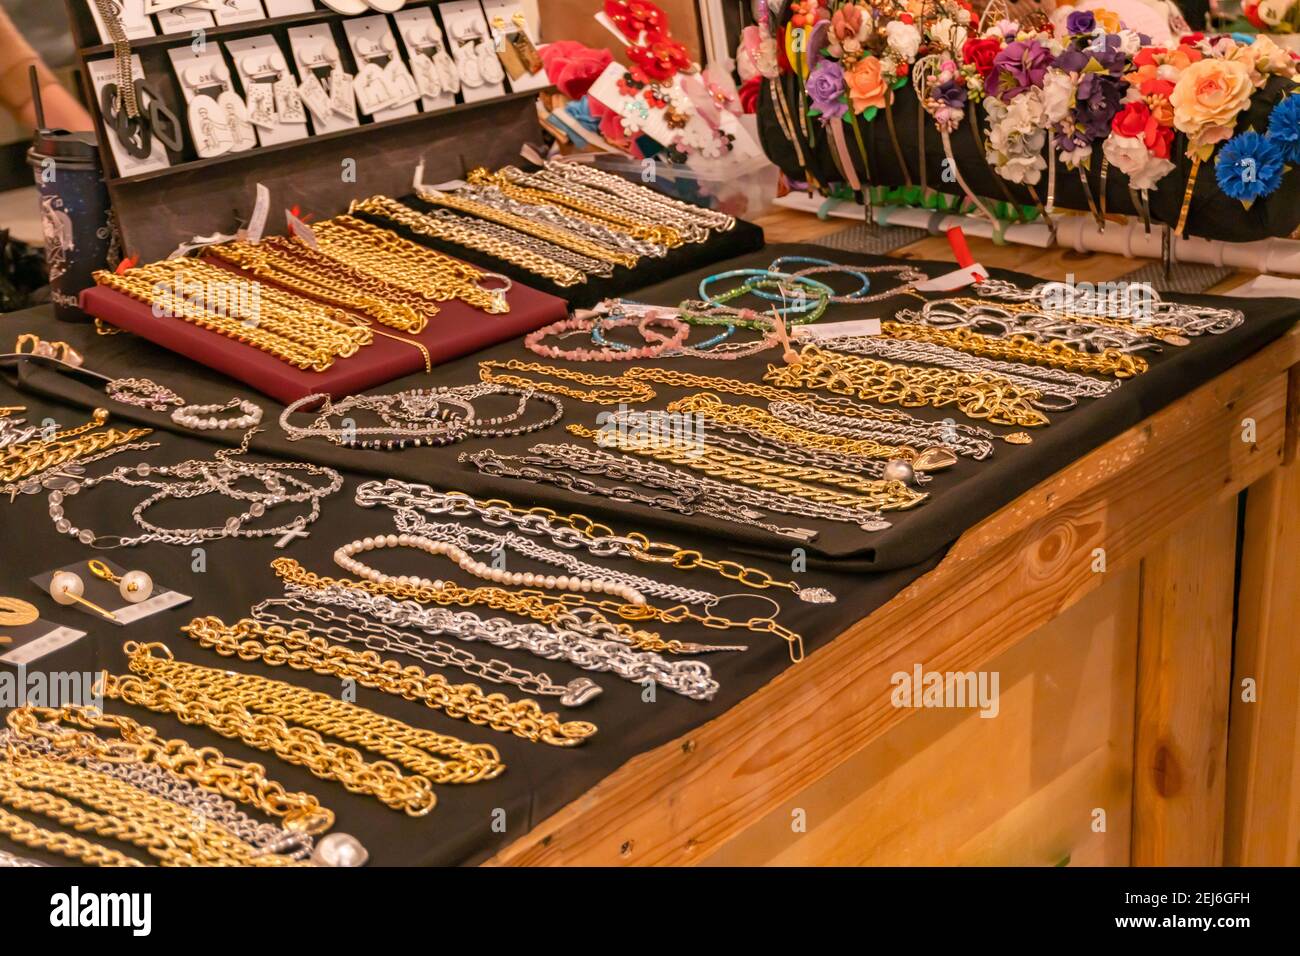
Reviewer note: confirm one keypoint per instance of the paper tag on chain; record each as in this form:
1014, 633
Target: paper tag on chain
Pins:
261, 209
957, 279
837, 330
301, 229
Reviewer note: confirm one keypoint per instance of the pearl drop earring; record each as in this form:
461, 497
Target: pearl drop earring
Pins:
134, 586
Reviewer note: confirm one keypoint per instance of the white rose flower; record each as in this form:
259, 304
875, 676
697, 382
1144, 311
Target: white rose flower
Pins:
950, 34
1073, 158
1130, 156
1027, 110
904, 38
1058, 96
1023, 169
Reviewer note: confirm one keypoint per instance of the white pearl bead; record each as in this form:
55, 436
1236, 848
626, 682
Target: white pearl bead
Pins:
136, 586
65, 586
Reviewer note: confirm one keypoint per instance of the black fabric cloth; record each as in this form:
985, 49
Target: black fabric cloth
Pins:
540, 779
1213, 214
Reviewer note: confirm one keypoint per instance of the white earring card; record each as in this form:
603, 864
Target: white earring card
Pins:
135, 22
470, 41
230, 12
515, 40
325, 87
423, 40
185, 20
102, 73
385, 87
275, 106
214, 107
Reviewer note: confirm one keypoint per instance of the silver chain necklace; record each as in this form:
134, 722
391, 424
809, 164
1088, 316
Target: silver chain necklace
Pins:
382, 639
473, 539
693, 679
401, 495
971, 441
196, 478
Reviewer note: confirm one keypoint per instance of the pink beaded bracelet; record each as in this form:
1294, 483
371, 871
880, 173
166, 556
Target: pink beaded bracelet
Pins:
585, 322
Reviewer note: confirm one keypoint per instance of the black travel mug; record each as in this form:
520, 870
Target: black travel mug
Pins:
74, 213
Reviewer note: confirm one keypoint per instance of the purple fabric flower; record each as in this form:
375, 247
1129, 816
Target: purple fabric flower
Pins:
825, 88
1071, 61
951, 94
1020, 66
1081, 21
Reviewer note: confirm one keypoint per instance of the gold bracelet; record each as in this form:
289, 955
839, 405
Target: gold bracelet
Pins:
26, 833
249, 640
1018, 348
616, 388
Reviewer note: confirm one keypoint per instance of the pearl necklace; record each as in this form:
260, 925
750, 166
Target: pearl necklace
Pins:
344, 558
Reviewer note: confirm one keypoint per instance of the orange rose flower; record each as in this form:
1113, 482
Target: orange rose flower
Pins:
1107, 20
1207, 99
867, 86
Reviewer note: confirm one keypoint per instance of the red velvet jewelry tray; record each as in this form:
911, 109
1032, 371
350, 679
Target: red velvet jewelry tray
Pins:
457, 330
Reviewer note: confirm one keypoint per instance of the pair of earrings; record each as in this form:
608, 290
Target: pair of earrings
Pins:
272, 92
219, 123
67, 587
326, 87
435, 71
476, 61
386, 87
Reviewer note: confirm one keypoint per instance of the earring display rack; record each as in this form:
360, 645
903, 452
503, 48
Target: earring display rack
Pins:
159, 209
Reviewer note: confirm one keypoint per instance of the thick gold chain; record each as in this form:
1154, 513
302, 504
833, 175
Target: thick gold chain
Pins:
583, 209
407, 265
759, 473
560, 237
979, 396
524, 258
249, 640
36, 783
319, 277
24, 832
259, 712
72, 730
1017, 348
40, 454
714, 409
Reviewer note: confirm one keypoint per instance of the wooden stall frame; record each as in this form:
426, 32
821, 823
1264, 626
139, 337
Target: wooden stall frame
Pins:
1179, 472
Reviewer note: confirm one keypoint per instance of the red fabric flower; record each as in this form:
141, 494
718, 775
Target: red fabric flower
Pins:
1131, 120
661, 58
1159, 139
749, 94
572, 67
636, 18
979, 53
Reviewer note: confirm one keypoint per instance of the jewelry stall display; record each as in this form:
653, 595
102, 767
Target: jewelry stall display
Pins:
217, 115
228, 475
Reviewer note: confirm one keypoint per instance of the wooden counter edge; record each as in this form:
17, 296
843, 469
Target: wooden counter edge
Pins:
1004, 578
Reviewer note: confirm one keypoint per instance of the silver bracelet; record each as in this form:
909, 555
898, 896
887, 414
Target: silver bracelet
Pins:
208, 417
8, 860
690, 678
382, 639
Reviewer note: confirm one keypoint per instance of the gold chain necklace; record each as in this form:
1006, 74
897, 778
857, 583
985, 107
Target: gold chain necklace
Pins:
24, 832
1018, 348
36, 783
387, 256
977, 395
71, 730
767, 475
249, 640
261, 712
606, 390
